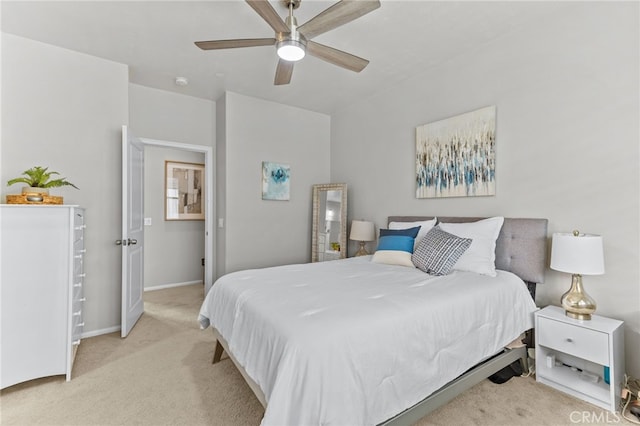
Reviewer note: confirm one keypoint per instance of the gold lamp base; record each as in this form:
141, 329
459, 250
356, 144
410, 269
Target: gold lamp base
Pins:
362, 251
576, 302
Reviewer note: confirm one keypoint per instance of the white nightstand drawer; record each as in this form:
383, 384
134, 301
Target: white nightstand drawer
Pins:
588, 344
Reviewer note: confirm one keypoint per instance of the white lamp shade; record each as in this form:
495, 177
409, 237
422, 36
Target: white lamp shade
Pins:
362, 230
582, 254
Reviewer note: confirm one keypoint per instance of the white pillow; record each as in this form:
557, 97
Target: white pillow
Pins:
393, 257
425, 226
480, 257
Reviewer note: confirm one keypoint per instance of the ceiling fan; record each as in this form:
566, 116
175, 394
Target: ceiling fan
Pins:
293, 41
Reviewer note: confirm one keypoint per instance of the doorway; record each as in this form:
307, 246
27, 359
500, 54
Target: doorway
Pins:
174, 242
158, 151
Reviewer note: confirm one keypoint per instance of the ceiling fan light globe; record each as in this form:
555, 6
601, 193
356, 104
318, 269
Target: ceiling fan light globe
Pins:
290, 50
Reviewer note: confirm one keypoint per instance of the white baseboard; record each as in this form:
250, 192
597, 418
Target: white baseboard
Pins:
100, 332
162, 287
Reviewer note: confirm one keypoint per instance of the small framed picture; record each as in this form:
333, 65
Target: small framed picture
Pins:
183, 191
275, 181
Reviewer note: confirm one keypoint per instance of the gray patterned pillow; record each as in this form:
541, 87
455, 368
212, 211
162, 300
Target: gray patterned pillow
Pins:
439, 251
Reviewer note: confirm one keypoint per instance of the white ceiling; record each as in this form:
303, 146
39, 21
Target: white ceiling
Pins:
155, 38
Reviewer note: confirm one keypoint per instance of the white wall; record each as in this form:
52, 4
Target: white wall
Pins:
566, 92
173, 249
260, 232
65, 110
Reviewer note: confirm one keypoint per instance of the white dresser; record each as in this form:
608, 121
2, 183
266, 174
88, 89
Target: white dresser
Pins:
41, 290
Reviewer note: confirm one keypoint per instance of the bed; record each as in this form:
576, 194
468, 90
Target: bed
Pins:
358, 342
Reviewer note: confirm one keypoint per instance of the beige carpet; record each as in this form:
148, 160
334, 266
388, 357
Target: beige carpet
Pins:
162, 375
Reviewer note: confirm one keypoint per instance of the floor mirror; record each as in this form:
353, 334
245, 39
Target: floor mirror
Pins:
329, 230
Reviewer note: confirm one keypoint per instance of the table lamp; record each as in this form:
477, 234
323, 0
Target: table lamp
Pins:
362, 231
578, 254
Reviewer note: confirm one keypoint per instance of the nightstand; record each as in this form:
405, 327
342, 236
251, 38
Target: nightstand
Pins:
575, 356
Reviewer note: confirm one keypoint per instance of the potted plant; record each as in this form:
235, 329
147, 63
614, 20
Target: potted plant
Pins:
39, 180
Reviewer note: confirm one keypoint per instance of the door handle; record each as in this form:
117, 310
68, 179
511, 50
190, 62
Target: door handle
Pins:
121, 242
132, 242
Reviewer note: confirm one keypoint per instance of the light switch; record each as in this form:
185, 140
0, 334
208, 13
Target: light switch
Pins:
220, 223
147, 221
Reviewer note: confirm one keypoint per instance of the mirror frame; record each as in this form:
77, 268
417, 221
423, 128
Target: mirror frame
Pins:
317, 189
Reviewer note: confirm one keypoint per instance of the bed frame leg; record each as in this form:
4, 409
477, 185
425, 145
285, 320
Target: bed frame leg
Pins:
524, 361
217, 354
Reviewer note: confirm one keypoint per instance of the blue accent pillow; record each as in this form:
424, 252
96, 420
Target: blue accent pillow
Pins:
396, 242
395, 246
410, 232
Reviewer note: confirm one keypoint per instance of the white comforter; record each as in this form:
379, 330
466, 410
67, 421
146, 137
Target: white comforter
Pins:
352, 342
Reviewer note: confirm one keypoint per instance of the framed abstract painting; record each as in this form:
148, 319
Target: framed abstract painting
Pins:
275, 181
183, 191
456, 157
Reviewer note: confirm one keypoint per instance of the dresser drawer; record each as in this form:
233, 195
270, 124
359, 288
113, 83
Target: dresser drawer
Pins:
78, 227
78, 247
588, 344
78, 266
78, 234
77, 327
78, 219
78, 270
78, 289
78, 304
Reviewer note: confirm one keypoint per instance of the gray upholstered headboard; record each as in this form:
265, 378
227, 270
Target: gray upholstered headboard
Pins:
521, 247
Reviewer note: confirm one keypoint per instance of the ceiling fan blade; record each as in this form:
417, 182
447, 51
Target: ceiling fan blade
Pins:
283, 72
336, 15
268, 13
231, 44
336, 57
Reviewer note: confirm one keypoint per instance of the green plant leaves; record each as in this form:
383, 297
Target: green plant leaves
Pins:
40, 177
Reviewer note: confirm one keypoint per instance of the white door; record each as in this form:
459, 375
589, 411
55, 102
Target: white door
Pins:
132, 230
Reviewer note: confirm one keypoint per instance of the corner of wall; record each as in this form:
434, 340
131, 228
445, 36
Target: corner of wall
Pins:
221, 185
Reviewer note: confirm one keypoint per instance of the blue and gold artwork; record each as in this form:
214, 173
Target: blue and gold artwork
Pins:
456, 157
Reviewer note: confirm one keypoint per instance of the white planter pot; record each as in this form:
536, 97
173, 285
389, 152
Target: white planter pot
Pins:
35, 194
